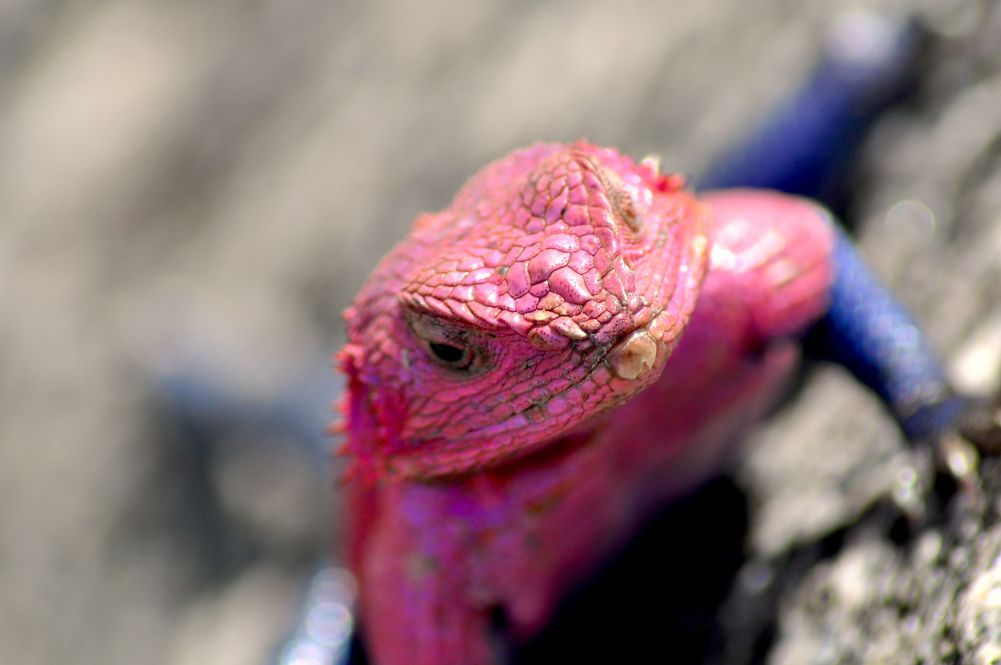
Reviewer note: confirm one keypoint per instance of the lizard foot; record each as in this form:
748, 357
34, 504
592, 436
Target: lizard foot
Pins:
980, 424
976, 432
949, 457
954, 451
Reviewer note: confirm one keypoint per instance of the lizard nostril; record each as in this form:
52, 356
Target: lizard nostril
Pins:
634, 356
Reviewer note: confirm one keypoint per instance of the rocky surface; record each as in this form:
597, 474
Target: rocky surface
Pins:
209, 183
930, 221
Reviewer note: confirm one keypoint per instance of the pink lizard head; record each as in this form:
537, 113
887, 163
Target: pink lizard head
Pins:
553, 288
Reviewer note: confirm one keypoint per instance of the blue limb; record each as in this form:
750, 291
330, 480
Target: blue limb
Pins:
806, 145
871, 334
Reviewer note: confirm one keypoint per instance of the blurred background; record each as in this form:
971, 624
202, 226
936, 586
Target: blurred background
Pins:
201, 187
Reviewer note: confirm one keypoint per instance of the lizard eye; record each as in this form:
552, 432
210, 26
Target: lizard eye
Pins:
447, 345
455, 357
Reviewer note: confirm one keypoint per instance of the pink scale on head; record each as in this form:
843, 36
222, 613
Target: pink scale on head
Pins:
568, 328
486, 293
437, 306
556, 208
571, 309
515, 321
551, 301
601, 261
470, 262
529, 253
558, 188
521, 216
545, 262
535, 224
526, 303
614, 284
518, 279
478, 276
506, 302
535, 239
462, 293
590, 244
512, 255
539, 290
462, 311
563, 242
491, 257
577, 215
569, 284
539, 205
580, 262
548, 338
483, 312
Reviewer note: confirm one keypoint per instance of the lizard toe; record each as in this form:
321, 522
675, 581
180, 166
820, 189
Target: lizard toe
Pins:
980, 423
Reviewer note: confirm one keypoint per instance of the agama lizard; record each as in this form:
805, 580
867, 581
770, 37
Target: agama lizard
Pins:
574, 341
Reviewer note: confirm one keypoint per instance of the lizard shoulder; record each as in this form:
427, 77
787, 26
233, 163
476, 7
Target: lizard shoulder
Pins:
773, 253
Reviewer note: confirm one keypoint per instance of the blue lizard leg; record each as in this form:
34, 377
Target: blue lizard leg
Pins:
871, 334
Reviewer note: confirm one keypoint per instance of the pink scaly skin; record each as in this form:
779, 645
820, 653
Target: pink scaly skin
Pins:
536, 368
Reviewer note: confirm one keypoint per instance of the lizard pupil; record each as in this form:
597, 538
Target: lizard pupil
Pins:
448, 354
